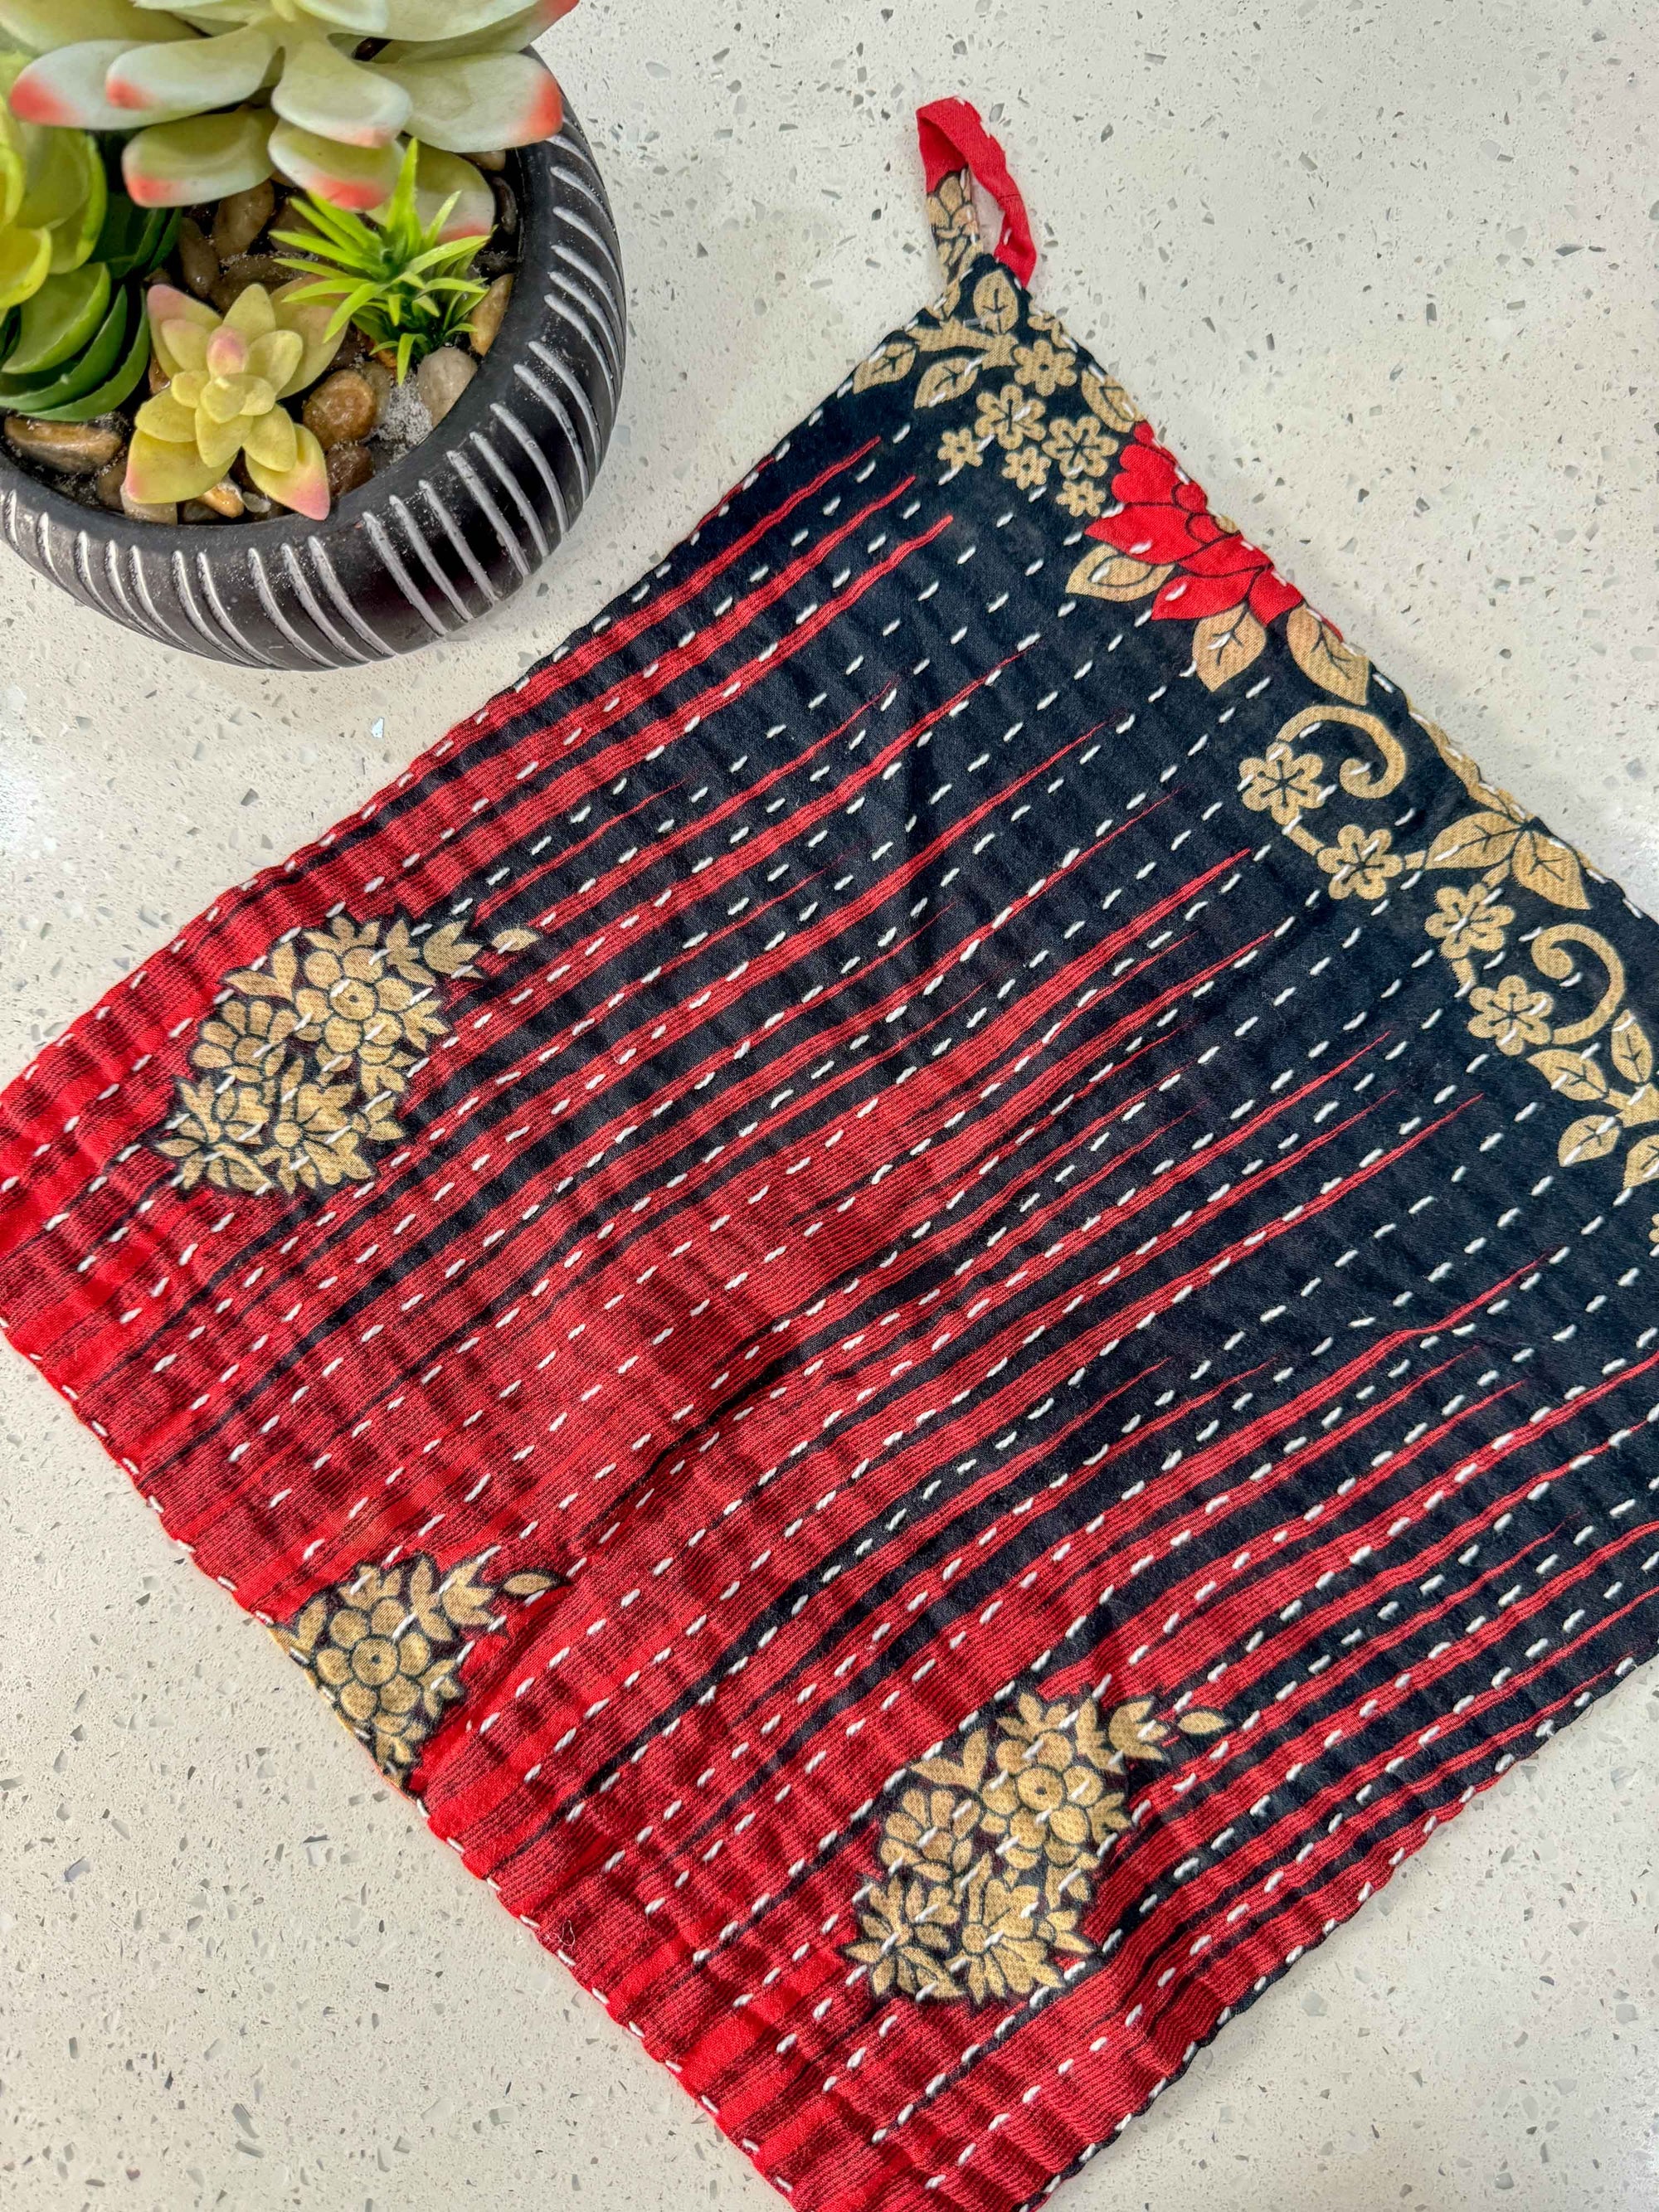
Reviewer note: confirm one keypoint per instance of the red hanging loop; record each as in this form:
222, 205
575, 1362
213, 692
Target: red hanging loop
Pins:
952, 137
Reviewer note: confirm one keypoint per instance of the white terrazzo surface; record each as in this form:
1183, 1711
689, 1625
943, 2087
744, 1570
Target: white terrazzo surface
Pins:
1385, 275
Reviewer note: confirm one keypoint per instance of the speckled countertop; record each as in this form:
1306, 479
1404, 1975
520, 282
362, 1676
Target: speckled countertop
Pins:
1386, 277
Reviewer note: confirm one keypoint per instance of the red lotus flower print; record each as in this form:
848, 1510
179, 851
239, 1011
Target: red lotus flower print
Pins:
1164, 539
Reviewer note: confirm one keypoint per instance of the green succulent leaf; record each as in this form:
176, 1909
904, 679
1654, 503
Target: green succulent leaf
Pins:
11, 171
41, 25
188, 79
74, 235
66, 86
351, 176
509, 35
419, 22
59, 320
368, 18
453, 196
113, 391
205, 157
25, 263
322, 92
310, 323
478, 101
83, 373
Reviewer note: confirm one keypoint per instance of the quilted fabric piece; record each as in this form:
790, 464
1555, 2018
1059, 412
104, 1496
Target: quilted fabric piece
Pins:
928, 1282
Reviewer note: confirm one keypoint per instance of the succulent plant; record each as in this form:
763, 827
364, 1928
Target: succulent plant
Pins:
398, 278
227, 377
52, 196
220, 95
80, 344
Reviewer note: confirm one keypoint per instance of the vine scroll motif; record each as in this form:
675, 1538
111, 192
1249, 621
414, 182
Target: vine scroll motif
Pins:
1511, 859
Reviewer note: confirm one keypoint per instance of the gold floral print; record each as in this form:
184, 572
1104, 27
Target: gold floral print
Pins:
1079, 447
386, 1646
1046, 367
1010, 416
1028, 469
1604, 1059
1033, 448
989, 1856
956, 224
1282, 782
960, 449
246, 1036
1081, 498
1022, 398
1360, 864
1512, 1013
301, 1065
1472, 921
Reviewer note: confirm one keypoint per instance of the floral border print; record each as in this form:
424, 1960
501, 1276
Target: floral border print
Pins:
1160, 540
1510, 875
1052, 423
386, 1646
989, 1855
304, 1060
1046, 417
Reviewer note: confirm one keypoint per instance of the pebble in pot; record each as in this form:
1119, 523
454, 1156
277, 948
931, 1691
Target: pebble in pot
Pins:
342, 410
75, 449
487, 315
109, 480
241, 218
135, 510
197, 261
441, 378
349, 468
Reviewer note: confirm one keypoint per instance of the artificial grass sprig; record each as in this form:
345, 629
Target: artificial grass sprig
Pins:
398, 280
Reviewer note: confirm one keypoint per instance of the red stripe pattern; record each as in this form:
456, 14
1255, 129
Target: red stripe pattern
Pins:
936, 1366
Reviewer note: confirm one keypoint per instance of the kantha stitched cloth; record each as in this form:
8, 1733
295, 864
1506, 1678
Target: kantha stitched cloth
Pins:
928, 1282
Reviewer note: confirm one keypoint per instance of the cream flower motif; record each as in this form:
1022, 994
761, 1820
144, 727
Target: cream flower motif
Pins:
1000, 1949
1081, 497
930, 1835
386, 1647
358, 1008
1048, 1800
1044, 367
246, 1037
1133, 1731
1027, 467
1010, 414
1362, 863
960, 449
956, 224
1080, 447
1512, 1013
216, 1135
314, 1137
1051, 326
989, 1854
1283, 783
1472, 920
906, 1939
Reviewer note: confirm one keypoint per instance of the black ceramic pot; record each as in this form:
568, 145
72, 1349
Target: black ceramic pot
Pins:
436, 540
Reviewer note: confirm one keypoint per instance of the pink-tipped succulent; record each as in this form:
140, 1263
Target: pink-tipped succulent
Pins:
228, 92
227, 378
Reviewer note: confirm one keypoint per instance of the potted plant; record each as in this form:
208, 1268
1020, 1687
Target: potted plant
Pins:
311, 323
